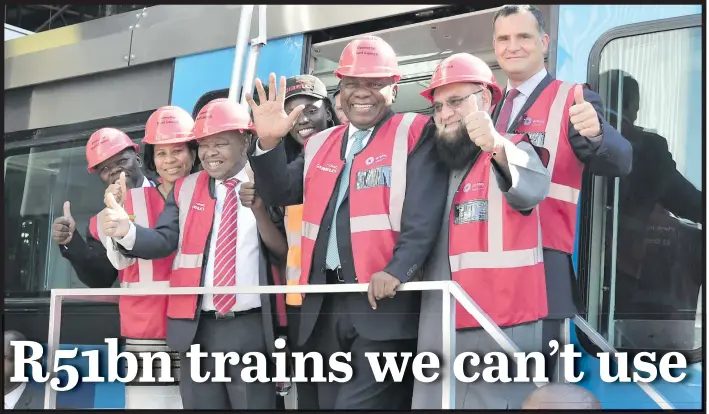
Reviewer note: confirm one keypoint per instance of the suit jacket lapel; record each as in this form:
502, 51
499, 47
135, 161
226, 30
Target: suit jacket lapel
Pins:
530, 101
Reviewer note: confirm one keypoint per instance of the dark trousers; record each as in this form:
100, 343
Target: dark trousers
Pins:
242, 334
307, 391
334, 332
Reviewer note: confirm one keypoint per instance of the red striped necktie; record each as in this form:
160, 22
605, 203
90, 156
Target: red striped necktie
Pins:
225, 256
504, 118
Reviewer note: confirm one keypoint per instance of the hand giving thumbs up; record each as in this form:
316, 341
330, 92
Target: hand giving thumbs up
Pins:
247, 193
118, 189
480, 128
64, 226
114, 219
583, 115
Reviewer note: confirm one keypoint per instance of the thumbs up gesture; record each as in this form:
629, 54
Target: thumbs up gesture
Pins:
118, 189
583, 115
64, 226
115, 222
480, 128
270, 118
247, 193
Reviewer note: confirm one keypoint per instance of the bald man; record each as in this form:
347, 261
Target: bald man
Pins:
559, 396
18, 395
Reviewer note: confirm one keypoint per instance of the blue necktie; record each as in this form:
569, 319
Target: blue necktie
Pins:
332, 256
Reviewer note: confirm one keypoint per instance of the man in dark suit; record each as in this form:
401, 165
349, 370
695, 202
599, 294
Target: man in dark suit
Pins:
218, 323
351, 322
520, 42
18, 395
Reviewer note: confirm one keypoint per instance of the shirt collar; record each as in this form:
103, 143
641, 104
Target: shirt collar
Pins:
146, 182
528, 86
241, 176
13, 397
352, 129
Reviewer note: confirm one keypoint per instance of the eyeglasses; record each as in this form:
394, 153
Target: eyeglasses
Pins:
453, 103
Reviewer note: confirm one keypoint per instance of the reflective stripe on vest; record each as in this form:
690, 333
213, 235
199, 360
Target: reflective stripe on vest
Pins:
501, 264
293, 224
196, 215
547, 124
183, 203
377, 190
142, 317
551, 143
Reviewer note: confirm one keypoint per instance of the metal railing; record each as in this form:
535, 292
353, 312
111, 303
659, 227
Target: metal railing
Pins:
451, 292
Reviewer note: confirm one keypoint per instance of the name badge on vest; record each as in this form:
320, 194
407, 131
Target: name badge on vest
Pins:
375, 177
535, 138
470, 211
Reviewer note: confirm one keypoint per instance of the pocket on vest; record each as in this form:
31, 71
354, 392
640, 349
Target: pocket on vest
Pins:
183, 306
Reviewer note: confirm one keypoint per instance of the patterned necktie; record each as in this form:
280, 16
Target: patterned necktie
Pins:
504, 118
225, 256
332, 256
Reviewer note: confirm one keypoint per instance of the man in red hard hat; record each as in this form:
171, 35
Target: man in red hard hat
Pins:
219, 242
109, 153
372, 194
490, 241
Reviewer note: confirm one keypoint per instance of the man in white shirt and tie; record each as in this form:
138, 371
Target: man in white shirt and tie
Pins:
18, 395
235, 250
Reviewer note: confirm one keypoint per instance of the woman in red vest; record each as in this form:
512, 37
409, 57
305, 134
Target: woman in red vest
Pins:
169, 153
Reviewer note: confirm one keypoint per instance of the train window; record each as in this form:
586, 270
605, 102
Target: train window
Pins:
650, 84
37, 183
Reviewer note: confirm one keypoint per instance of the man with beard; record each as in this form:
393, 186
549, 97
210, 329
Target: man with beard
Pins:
490, 242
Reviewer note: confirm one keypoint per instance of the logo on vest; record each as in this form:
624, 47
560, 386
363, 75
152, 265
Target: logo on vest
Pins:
376, 177
372, 160
470, 211
198, 206
473, 187
331, 168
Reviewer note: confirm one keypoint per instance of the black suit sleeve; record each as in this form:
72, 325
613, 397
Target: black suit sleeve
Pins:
426, 192
89, 260
161, 241
610, 154
676, 193
278, 182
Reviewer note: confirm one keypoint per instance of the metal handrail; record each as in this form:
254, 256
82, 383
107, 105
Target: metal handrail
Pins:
449, 290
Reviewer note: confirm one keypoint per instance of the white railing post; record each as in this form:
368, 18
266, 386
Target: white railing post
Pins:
240, 49
449, 351
256, 44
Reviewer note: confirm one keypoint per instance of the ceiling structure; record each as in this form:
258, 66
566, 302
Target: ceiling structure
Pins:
42, 17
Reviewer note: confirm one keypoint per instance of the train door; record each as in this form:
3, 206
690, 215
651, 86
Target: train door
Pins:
640, 248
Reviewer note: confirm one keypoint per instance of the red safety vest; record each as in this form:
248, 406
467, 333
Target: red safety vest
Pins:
196, 208
546, 123
377, 189
495, 252
142, 317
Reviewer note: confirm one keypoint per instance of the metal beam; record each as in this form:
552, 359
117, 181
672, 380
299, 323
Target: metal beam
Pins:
67, 11
52, 17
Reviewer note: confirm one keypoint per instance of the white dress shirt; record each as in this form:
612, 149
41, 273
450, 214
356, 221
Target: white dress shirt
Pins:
247, 249
13, 396
525, 91
350, 131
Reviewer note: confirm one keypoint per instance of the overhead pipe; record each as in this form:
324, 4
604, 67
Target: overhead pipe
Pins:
256, 44
240, 50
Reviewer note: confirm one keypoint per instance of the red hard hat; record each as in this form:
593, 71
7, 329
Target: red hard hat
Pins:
368, 57
168, 125
104, 144
221, 115
463, 67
